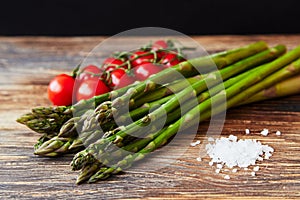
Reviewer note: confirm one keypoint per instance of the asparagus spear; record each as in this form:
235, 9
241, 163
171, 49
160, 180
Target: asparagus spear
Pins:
261, 73
171, 88
280, 75
284, 88
283, 73
49, 120
46, 119
44, 138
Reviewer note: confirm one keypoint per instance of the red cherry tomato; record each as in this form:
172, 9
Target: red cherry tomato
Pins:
88, 72
171, 59
119, 79
148, 58
142, 72
159, 44
112, 63
161, 48
91, 87
60, 90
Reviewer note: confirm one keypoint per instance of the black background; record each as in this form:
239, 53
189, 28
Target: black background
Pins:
204, 17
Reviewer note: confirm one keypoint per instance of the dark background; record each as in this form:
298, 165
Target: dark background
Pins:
205, 17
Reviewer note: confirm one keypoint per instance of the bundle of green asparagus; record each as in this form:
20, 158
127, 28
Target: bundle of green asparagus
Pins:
112, 139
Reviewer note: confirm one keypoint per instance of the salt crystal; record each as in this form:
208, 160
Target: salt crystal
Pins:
218, 171
211, 163
227, 177
234, 170
267, 149
260, 158
199, 159
247, 131
252, 173
210, 139
232, 138
193, 144
264, 132
256, 168
245, 168
219, 166
278, 133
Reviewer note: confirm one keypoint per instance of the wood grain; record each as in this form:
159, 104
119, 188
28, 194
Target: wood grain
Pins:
27, 64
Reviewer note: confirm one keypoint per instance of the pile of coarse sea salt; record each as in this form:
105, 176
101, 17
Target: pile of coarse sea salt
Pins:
235, 154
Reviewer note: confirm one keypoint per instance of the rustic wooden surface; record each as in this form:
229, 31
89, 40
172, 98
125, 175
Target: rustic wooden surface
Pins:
27, 64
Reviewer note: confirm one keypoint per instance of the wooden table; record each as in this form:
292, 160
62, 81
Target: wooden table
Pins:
27, 64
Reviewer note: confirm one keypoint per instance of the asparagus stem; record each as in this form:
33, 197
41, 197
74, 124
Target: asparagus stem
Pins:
42, 140
284, 88
87, 172
166, 90
259, 74
282, 74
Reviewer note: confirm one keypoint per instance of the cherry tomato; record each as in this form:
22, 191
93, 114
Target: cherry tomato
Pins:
112, 63
171, 59
91, 87
159, 44
119, 78
88, 72
148, 58
161, 48
60, 90
142, 72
